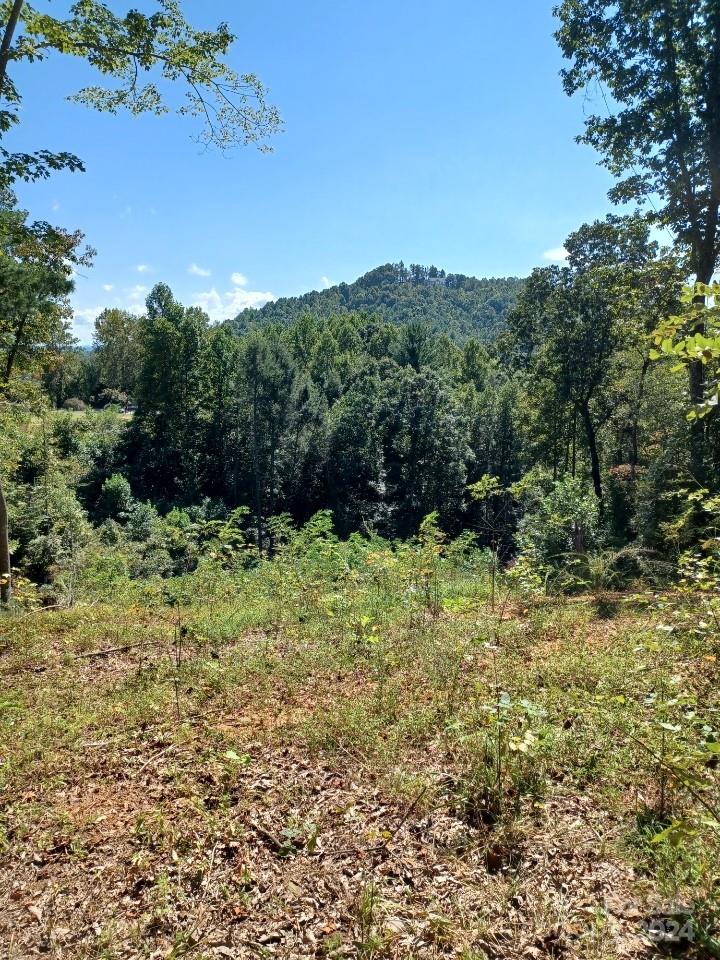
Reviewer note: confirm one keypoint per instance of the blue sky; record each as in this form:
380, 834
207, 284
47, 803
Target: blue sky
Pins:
432, 133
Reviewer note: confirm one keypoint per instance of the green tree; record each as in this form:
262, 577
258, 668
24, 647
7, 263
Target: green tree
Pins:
356, 466
583, 330
416, 346
425, 449
221, 459
36, 264
36, 270
167, 426
161, 48
268, 381
117, 350
645, 284
575, 335
660, 63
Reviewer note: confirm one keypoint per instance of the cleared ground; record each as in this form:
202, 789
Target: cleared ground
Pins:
381, 764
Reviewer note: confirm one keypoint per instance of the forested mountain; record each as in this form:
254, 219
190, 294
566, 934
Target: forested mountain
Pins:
448, 303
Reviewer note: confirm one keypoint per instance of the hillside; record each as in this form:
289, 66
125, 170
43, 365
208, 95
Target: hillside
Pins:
449, 303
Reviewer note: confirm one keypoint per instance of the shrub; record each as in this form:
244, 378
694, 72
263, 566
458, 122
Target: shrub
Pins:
141, 521
51, 530
564, 521
68, 434
74, 403
116, 499
112, 398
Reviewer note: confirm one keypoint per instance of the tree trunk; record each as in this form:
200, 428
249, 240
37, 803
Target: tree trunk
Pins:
13, 351
696, 385
5, 568
257, 475
7, 40
635, 429
697, 373
594, 458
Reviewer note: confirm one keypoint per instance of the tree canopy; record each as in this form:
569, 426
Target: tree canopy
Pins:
454, 304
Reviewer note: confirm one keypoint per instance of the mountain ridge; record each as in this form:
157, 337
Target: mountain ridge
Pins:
451, 303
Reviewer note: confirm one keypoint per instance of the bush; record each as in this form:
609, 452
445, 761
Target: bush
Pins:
51, 529
116, 499
74, 403
564, 521
68, 434
141, 521
112, 398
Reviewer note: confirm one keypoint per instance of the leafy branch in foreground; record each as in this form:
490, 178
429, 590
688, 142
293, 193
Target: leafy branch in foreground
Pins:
141, 55
694, 337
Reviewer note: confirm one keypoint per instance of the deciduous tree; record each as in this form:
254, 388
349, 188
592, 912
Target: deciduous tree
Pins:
142, 57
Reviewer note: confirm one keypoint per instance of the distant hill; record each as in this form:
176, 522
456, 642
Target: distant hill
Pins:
449, 303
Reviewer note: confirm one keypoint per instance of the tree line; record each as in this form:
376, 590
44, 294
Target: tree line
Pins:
583, 399
385, 423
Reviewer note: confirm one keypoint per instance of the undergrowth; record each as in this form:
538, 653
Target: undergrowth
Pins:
416, 666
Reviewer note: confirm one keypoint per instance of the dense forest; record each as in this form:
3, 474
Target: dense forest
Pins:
453, 304
383, 621
569, 416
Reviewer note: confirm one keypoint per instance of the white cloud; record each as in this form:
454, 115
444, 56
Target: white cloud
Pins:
223, 306
136, 297
197, 271
556, 255
85, 316
327, 282
56, 205
143, 268
107, 287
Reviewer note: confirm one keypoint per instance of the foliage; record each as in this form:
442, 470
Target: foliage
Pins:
161, 47
36, 269
693, 336
563, 521
454, 304
660, 66
117, 352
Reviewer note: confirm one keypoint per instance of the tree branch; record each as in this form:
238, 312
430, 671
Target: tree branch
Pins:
7, 40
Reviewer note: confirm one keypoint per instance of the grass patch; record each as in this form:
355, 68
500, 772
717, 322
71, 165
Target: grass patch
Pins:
444, 774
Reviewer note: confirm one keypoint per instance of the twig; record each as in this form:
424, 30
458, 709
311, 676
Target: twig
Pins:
405, 817
274, 842
156, 756
380, 847
695, 794
108, 650
208, 872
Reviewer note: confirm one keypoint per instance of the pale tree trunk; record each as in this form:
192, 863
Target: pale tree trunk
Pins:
696, 385
5, 568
